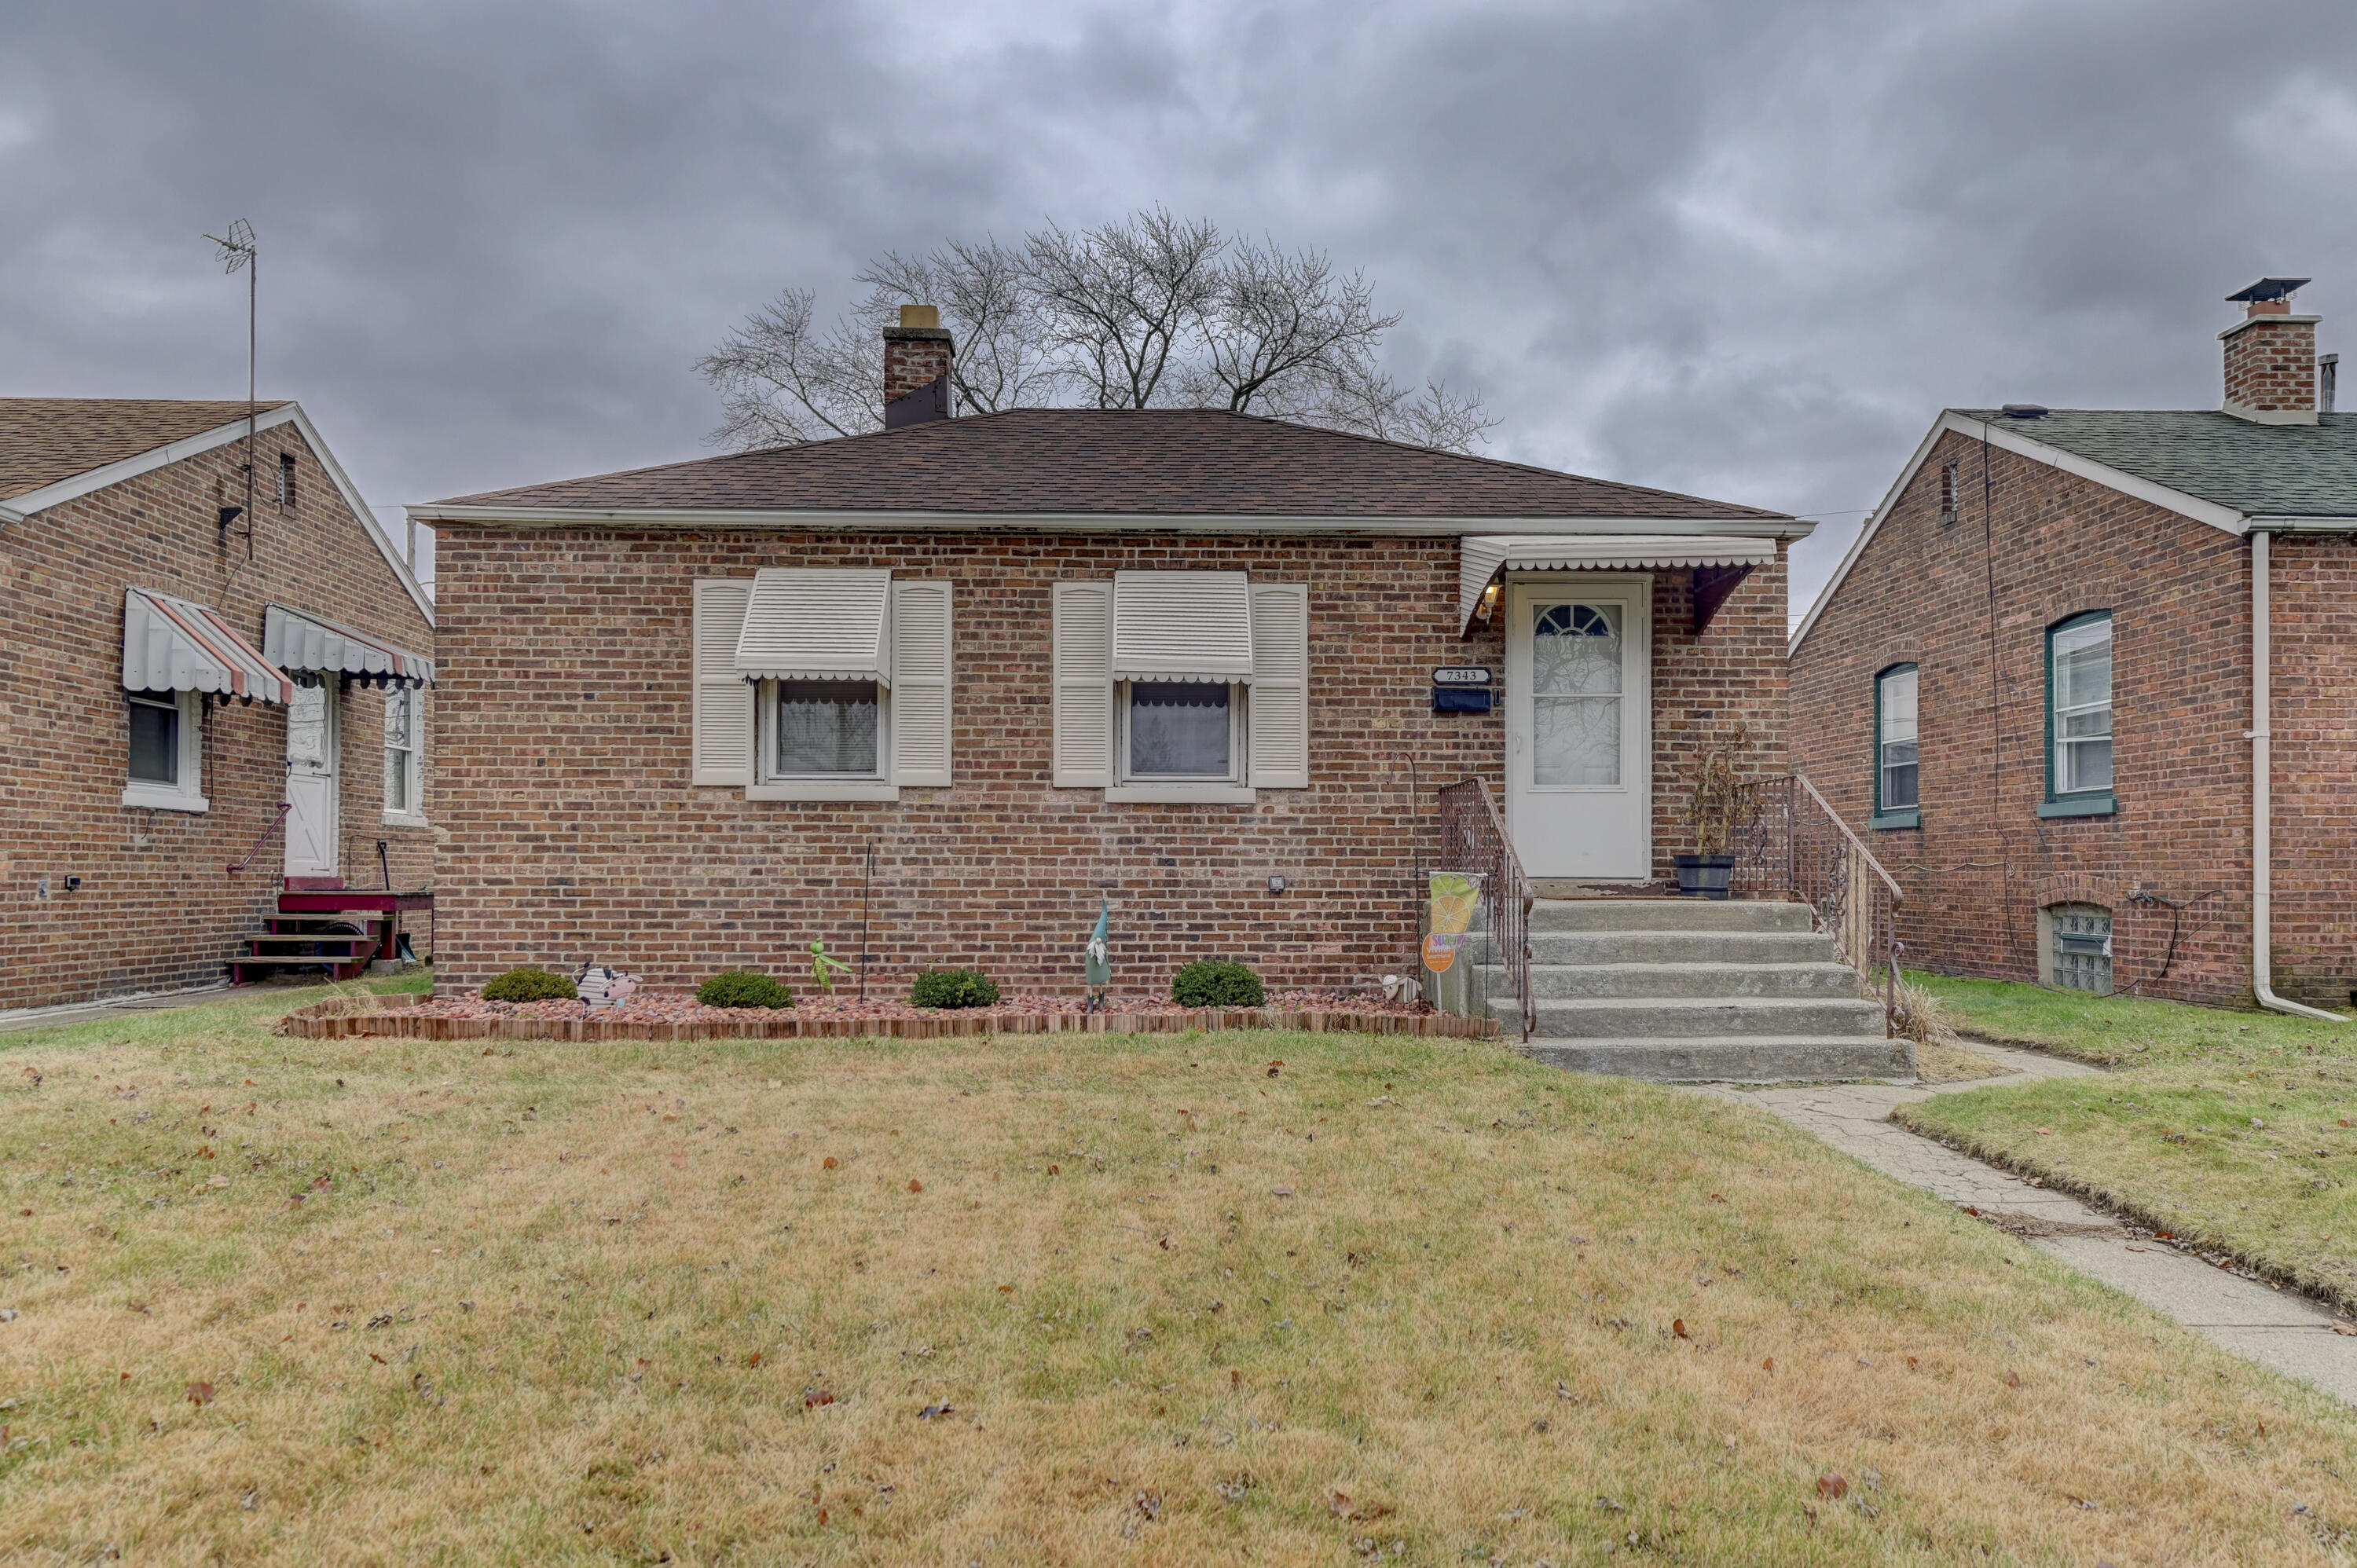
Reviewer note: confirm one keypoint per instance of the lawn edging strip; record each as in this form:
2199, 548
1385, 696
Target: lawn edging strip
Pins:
2187, 1236
344, 1016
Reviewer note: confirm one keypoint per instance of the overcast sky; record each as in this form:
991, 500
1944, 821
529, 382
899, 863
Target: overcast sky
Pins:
1745, 249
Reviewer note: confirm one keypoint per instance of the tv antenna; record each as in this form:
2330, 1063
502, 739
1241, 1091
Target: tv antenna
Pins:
238, 253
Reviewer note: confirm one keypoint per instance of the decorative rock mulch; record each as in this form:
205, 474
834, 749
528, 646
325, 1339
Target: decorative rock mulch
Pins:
664, 1017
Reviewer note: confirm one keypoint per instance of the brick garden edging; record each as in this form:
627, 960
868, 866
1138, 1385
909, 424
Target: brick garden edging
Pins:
346, 1016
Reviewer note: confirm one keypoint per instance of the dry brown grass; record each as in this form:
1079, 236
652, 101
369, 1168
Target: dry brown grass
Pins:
1178, 1304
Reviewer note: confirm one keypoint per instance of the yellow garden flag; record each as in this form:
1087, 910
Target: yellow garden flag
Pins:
1453, 898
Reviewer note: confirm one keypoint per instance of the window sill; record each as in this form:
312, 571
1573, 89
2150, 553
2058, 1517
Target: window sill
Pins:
821, 790
1181, 795
1906, 816
2095, 803
161, 798
406, 820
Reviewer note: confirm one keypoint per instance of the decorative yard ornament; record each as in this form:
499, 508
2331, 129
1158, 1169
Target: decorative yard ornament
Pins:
1099, 957
1454, 896
824, 969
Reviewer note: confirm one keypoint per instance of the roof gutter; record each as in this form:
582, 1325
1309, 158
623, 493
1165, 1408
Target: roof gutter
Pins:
2262, 813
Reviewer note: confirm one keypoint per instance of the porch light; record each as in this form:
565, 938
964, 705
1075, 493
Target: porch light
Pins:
1489, 602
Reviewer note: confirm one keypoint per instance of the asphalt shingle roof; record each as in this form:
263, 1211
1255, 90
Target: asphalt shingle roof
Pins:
45, 439
2281, 470
1122, 461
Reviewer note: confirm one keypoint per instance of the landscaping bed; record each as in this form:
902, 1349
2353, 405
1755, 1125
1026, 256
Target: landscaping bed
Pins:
679, 1016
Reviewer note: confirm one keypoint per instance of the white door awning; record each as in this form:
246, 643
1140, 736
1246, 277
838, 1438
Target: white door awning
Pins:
172, 645
1182, 626
294, 640
1481, 557
806, 623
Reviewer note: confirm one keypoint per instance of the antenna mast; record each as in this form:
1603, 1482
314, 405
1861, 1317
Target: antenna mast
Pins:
235, 253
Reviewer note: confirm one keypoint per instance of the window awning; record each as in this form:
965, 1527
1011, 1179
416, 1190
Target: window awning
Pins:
1182, 626
1483, 557
817, 624
294, 640
171, 645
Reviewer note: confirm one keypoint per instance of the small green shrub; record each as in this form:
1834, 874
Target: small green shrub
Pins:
743, 988
953, 988
1217, 982
529, 985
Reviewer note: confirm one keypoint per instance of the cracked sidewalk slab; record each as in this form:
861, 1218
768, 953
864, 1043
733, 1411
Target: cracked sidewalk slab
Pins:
2274, 1327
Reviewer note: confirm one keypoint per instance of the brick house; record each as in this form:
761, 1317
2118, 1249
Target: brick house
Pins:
190, 642
931, 692
2044, 680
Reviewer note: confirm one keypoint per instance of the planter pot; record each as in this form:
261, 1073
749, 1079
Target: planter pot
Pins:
1705, 875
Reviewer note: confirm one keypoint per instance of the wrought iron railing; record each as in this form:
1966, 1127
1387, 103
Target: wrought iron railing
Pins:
1473, 839
1797, 847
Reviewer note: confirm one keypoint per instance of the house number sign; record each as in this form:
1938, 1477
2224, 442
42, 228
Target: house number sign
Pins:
1462, 688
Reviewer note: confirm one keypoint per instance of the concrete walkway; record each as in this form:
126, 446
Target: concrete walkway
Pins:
2273, 1327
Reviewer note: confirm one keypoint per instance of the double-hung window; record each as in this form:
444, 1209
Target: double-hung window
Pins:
2079, 717
1897, 790
167, 751
1182, 687
405, 756
818, 683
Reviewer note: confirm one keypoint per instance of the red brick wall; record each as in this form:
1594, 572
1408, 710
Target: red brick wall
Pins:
2271, 365
1982, 863
155, 910
564, 757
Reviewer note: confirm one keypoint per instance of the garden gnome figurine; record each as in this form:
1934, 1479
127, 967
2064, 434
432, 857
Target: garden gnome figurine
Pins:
823, 968
1100, 958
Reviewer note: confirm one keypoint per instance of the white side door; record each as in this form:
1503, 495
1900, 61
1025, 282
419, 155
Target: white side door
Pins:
1579, 725
313, 834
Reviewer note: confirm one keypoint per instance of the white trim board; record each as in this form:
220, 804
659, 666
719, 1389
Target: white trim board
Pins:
2008, 435
791, 519
147, 462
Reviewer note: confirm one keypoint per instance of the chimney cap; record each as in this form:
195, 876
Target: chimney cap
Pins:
923, 315
2268, 289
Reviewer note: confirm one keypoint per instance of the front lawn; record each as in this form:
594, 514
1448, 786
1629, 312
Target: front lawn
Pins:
1074, 1299
2230, 1130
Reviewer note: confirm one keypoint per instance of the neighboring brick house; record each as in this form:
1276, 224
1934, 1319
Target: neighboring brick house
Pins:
1032, 658
2029, 686
176, 660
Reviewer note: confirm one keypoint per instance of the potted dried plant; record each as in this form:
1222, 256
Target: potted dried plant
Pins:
1720, 807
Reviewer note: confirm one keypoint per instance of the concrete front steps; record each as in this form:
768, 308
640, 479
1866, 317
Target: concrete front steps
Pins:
1689, 990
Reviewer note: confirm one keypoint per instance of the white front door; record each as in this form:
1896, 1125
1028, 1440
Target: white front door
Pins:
312, 835
1579, 725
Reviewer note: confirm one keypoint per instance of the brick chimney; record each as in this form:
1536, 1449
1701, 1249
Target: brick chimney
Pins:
916, 368
2271, 355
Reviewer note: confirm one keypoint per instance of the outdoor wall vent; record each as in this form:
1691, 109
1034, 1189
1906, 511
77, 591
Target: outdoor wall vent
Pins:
2025, 411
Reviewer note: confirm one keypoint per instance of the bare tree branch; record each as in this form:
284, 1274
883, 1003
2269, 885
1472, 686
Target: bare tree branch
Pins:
1153, 311
1120, 300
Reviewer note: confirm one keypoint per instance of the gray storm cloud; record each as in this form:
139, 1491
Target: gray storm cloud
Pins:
1744, 250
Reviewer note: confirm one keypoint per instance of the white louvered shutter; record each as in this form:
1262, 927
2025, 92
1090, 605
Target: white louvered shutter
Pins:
1084, 681
921, 680
1278, 717
722, 726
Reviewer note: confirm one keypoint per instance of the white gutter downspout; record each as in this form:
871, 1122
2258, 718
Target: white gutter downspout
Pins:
2262, 816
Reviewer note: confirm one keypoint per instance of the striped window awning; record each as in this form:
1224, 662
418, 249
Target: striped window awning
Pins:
172, 645
311, 644
1481, 557
1182, 626
805, 623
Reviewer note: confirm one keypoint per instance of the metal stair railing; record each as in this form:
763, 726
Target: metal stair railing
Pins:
1796, 846
1473, 839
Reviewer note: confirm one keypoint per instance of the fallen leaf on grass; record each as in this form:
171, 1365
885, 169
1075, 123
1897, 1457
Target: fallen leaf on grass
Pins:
1340, 1505
1678, 1327
1768, 1365
1832, 1486
827, 1164
1055, 1170
814, 1398
2012, 1378
679, 1161
916, 1187
201, 1393
754, 1360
